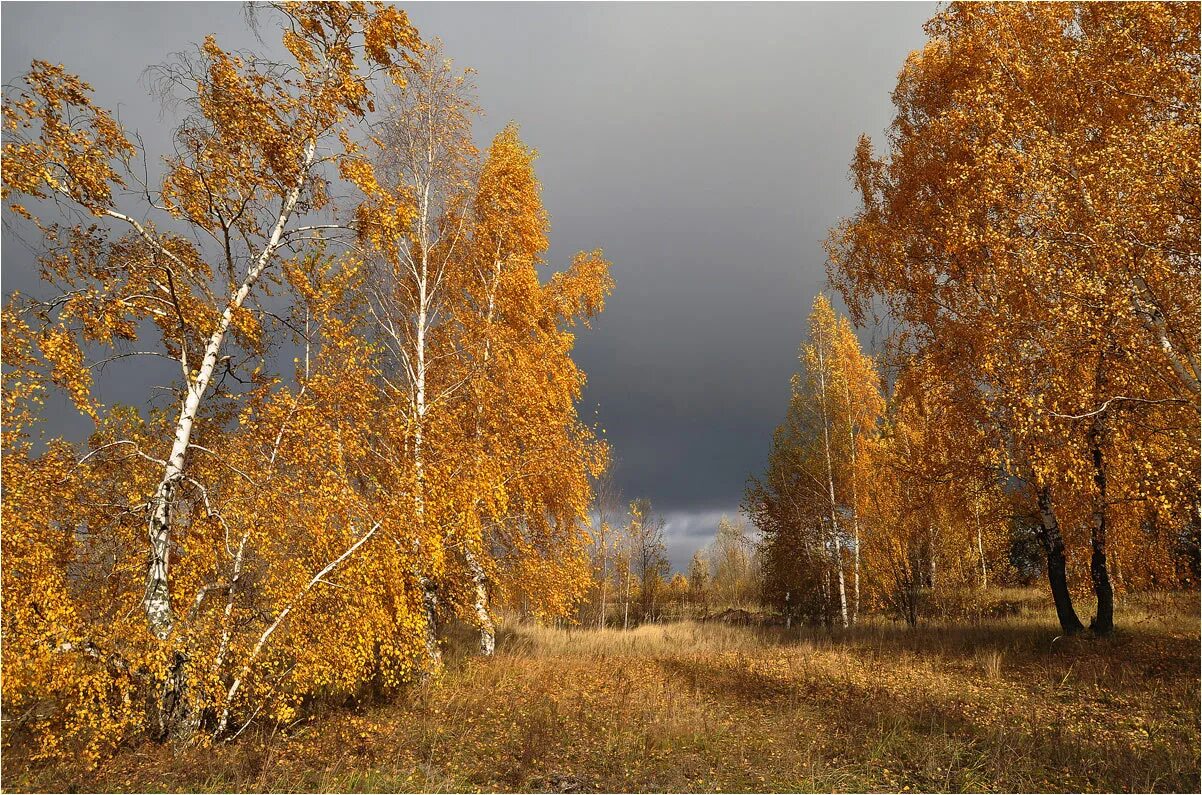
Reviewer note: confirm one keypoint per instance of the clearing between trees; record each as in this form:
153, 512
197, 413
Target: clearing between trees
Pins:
1000, 706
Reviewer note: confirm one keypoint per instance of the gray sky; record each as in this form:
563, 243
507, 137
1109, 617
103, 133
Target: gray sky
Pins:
705, 147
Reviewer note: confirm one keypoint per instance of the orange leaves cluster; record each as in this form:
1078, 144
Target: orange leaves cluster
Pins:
68, 371
74, 145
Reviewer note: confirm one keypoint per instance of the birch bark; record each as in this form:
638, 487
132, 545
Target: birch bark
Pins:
157, 601
819, 347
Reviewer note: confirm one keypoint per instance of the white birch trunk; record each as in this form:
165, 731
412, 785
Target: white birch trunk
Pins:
430, 609
429, 589
830, 474
227, 615
842, 586
1184, 365
488, 632
157, 601
981, 548
855, 498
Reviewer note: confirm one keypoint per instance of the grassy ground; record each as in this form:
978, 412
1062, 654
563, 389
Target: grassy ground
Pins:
996, 706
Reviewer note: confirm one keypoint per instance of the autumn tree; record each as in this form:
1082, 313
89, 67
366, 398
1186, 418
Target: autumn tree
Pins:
477, 359
278, 533
732, 569
252, 162
935, 510
535, 453
246, 170
699, 581
649, 555
1033, 230
605, 538
424, 156
786, 504
810, 497
859, 405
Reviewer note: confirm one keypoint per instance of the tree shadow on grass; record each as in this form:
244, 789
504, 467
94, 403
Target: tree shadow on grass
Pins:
945, 741
1148, 654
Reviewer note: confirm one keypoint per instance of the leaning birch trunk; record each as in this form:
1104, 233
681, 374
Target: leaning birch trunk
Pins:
1184, 364
236, 685
157, 601
227, 614
1053, 543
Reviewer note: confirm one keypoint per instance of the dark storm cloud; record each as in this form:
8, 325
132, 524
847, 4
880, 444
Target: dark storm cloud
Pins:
703, 146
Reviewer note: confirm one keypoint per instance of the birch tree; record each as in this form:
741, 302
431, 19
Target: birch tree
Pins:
860, 408
534, 457
649, 554
819, 358
424, 154
1034, 216
277, 534
251, 166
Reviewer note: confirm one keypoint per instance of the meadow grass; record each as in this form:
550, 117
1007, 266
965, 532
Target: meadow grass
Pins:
1003, 704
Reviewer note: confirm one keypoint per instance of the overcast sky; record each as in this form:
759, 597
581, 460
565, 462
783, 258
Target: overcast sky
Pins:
705, 147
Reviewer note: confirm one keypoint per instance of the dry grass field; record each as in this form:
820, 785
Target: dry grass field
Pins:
1001, 705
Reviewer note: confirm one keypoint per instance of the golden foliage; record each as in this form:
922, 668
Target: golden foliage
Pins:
306, 552
1033, 231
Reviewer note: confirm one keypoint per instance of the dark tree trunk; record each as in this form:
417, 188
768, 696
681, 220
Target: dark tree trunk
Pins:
911, 598
1103, 622
1053, 544
178, 718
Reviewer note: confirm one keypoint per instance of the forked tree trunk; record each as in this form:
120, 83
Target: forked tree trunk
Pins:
177, 715
248, 666
1053, 544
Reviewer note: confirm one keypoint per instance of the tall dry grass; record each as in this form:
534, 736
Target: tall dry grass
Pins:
986, 705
